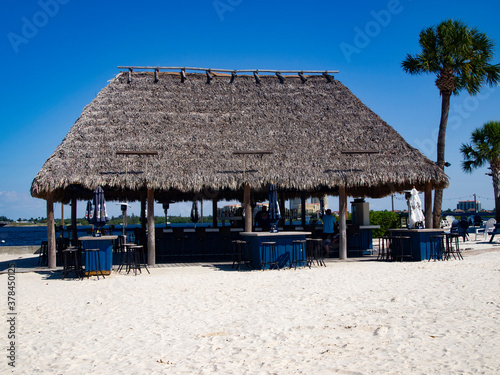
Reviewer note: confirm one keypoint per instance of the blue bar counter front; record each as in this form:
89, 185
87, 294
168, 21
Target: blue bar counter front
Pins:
105, 253
420, 241
284, 243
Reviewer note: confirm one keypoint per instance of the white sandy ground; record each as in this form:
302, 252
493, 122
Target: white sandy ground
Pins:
356, 317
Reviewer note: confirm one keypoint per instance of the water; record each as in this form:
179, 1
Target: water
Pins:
32, 236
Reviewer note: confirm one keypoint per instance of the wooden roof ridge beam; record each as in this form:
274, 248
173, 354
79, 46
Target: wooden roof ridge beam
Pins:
274, 71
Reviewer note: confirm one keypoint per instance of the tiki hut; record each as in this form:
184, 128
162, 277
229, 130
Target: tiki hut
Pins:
170, 135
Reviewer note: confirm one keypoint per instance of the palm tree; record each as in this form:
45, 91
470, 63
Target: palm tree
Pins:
460, 57
485, 148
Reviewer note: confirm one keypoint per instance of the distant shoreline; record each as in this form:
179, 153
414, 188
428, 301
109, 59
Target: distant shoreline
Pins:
11, 225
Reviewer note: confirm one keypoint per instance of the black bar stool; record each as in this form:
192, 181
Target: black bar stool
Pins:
134, 258
71, 262
43, 257
299, 254
140, 251
269, 255
384, 248
314, 251
93, 254
239, 254
401, 248
452, 246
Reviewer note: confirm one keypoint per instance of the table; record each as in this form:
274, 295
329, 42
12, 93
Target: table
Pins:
105, 253
284, 244
420, 241
496, 231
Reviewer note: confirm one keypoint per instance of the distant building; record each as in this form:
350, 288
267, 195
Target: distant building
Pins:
469, 205
229, 210
311, 208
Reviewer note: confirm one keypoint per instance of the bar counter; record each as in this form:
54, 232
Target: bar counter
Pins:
420, 240
105, 253
283, 242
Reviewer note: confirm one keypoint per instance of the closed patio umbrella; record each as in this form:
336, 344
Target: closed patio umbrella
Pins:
274, 208
195, 216
100, 214
415, 214
89, 212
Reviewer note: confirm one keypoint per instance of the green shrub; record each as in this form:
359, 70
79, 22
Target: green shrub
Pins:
386, 220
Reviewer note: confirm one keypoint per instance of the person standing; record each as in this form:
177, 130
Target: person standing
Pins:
328, 230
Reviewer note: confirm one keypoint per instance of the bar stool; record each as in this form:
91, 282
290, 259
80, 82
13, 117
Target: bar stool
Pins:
299, 254
43, 257
452, 246
134, 258
269, 255
436, 247
400, 251
384, 248
71, 262
315, 252
239, 254
94, 253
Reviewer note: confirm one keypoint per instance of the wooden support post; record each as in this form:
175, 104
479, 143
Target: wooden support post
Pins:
74, 230
201, 212
428, 205
281, 200
151, 228
62, 215
143, 212
248, 208
214, 213
303, 208
51, 233
342, 223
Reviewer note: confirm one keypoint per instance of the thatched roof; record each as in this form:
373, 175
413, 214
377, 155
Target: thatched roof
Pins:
196, 124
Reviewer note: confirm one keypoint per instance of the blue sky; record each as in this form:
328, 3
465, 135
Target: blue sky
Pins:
58, 54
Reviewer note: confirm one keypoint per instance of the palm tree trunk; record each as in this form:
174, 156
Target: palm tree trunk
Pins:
495, 174
438, 194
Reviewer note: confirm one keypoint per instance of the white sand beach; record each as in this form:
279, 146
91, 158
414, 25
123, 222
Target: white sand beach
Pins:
354, 317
